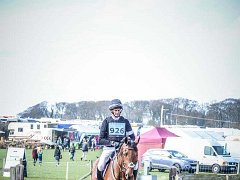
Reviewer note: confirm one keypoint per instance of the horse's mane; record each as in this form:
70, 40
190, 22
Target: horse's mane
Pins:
130, 144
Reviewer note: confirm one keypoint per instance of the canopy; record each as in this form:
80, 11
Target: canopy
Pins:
155, 138
156, 135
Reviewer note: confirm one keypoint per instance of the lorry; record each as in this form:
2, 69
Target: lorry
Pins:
210, 154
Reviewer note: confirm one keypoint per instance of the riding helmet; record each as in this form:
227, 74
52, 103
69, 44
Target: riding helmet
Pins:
115, 103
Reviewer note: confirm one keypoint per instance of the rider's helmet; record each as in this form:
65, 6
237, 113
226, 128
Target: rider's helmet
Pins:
115, 103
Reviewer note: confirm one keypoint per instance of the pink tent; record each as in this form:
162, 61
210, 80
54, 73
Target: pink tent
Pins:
155, 138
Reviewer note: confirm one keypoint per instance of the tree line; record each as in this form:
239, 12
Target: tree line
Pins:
177, 111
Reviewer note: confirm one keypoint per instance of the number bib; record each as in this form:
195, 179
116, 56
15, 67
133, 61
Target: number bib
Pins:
116, 129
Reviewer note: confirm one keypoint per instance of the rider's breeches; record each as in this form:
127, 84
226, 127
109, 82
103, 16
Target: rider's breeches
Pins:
107, 151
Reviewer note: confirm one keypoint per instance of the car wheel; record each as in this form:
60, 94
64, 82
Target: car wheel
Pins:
191, 170
216, 168
178, 168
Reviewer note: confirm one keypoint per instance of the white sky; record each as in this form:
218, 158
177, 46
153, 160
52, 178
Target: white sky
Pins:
58, 50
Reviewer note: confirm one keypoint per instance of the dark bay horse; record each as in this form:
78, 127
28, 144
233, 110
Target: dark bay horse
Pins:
122, 165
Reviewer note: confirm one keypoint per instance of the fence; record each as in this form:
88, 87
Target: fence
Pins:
199, 172
77, 170
233, 168
207, 172
81, 170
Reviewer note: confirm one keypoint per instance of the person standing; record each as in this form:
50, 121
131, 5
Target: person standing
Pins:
72, 152
59, 141
114, 128
40, 153
93, 143
84, 149
57, 155
34, 155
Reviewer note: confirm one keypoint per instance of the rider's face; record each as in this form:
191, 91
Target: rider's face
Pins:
116, 112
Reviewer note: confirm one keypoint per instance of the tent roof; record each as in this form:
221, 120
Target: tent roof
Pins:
88, 129
156, 134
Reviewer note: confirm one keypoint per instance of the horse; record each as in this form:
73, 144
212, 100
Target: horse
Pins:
122, 165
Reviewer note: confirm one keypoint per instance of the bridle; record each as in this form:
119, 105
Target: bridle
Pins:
123, 167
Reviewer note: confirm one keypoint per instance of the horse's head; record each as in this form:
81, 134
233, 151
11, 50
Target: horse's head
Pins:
128, 157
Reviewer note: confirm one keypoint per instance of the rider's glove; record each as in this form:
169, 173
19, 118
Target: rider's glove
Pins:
115, 144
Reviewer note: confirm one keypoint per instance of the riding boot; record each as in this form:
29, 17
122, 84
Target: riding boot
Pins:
135, 173
99, 175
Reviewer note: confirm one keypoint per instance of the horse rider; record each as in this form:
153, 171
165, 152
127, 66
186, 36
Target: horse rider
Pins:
113, 130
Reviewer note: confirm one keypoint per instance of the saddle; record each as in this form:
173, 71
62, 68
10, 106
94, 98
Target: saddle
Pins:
108, 162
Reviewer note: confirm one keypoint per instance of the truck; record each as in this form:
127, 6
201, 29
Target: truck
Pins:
210, 154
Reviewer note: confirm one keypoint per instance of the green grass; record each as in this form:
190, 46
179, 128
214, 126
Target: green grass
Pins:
76, 169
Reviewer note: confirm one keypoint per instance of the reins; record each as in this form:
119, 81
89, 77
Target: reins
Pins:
122, 168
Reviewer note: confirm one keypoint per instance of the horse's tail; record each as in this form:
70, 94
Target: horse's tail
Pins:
94, 170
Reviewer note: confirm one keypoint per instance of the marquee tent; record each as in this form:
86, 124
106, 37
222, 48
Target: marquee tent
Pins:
155, 138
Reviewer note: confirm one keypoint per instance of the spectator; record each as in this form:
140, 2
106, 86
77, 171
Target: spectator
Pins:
72, 152
65, 141
59, 141
84, 150
40, 152
34, 155
93, 143
68, 142
57, 155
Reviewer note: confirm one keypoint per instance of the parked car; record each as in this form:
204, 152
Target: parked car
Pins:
163, 159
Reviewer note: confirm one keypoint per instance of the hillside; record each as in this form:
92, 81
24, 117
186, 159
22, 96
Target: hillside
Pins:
182, 111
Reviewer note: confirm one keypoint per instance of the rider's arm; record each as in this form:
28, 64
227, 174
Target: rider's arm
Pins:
129, 131
103, 138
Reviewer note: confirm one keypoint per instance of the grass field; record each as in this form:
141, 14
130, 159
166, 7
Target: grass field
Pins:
72, 170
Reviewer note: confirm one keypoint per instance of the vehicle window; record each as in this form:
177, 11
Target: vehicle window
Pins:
208, 151
177, 154
220, 150
155, 152
164, 154
20, 129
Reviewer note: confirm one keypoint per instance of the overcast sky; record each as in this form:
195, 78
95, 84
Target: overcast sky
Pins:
57, 50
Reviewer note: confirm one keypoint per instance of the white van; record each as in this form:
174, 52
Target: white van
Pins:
232, 147
210, 154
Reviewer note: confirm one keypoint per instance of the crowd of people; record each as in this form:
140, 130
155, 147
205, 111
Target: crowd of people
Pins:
86, 144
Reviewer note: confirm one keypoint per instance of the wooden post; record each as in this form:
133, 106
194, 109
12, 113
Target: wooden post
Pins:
238, 167
19, 172
88, 174
173, 173
91, 167
12, 173
197, 167
4, 161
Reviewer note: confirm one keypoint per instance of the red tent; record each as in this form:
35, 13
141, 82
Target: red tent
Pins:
155, 138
